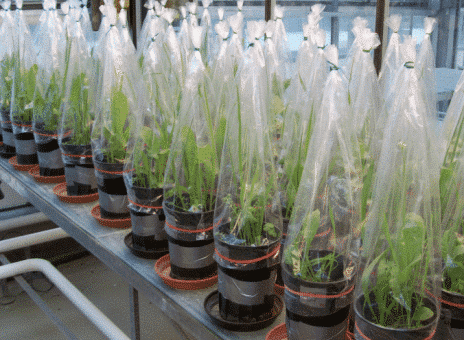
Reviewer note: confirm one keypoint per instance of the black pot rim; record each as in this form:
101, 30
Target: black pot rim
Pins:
320, 284
361, 316
186, 213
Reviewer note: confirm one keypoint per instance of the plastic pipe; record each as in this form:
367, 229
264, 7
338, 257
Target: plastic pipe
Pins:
32, 239
23, 221
105, 325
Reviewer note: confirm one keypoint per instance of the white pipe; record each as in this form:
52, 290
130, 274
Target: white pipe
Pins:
105, 325
23, 221
32, 239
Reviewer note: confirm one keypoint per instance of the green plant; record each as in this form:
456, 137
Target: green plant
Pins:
399, 277
116, 131
47, 107
6, 81
293, 163
150, 160
77, 114
297, 254
247, 206
199, 171
452, 209
195, 191
23, 90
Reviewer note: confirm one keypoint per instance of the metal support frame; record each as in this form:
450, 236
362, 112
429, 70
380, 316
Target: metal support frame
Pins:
380, 16
40, 302
134, 313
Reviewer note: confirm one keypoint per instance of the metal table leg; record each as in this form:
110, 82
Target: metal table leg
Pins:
134, 313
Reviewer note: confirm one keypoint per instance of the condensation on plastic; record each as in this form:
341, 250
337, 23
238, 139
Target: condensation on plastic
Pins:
406, 194
391, 62
330, 191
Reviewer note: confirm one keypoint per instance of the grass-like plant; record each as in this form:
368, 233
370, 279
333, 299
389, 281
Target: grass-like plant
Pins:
78, 116
150, 159
115, 133
252, 185
6, 81
317, 269
452, 209
23, 91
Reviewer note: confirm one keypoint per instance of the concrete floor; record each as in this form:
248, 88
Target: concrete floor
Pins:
23, 320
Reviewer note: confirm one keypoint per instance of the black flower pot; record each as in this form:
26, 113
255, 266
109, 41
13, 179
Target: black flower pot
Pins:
318, 310
49, 155
78, 169
246, 291
452, 301
366, 327
147, 218
8, 149
112, 192
191, 242
26, 149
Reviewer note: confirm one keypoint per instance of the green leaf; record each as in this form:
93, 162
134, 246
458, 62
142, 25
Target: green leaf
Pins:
270, 229
422, 313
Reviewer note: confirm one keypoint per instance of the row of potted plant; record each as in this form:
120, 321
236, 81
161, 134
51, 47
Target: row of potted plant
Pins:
212, 167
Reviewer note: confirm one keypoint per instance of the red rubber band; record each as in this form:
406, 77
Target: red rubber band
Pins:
77, 156
143, 206
366, 338
274, 252
324, 233
457, 305
319, 296
114, 172
55, 136
21, 125
188, 230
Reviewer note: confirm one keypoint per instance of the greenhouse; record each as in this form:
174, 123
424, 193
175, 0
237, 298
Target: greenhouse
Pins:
215, 169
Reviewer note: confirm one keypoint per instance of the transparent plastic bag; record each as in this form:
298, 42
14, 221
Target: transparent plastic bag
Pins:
124, 31
391, 62
191, 173
52, 68
326, 209
248, 211
426, 68
6, 78
24, 77
78, 108
119, 101
401, 242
